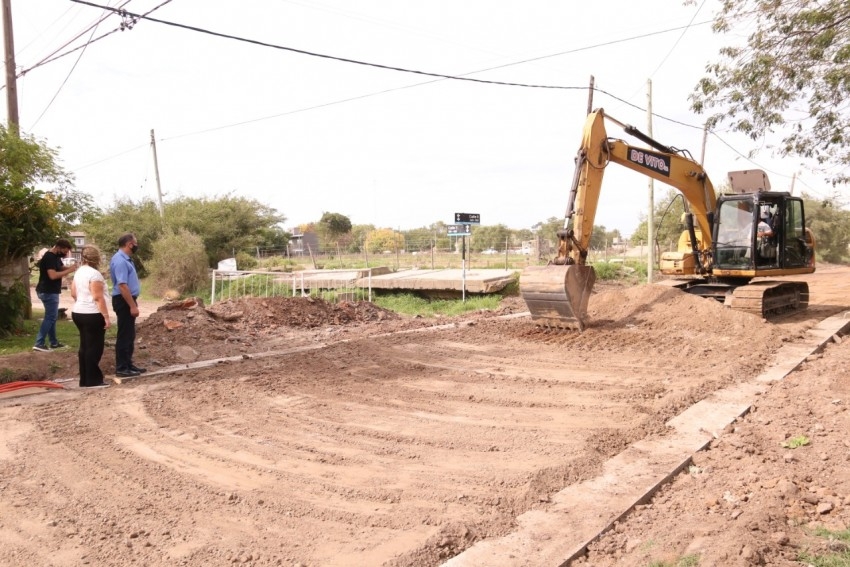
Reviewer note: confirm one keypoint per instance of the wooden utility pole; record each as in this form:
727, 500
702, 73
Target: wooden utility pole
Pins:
19, 268
156, 172
590, 95
650, 218
11, 78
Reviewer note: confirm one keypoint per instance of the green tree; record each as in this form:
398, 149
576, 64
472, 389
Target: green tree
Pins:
142, 219
358, 236
444, 241
384, 239
227, 225
599, 237
520, 235
490, 237
418, 239
32, 216
667, 219
37, 205
274, 238
796, 60
333, 226
831, 227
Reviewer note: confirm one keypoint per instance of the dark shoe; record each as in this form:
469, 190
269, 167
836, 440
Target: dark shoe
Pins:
127, 373
41, 348
58, 345
135, 368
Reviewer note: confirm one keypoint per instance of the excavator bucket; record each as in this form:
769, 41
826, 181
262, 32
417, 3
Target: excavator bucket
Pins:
557, 296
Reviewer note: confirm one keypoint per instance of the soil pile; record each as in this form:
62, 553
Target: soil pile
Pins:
187, 330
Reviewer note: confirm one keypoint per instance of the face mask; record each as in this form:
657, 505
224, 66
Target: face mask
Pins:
134, 248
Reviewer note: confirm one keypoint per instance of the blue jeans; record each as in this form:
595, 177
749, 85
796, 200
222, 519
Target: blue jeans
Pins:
48, 324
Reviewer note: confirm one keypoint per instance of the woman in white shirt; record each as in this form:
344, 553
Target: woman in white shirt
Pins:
90, 316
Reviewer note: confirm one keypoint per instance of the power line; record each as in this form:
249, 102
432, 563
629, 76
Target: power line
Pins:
113, 156
438, 76
68, 76
124, 13
91, 27
124, 25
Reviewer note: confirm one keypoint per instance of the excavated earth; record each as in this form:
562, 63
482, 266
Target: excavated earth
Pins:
348, 435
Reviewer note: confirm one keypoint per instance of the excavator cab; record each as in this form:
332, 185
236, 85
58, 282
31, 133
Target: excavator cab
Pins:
761, 234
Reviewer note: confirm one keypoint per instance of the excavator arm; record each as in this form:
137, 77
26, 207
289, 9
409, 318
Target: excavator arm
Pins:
596, 152
557, 294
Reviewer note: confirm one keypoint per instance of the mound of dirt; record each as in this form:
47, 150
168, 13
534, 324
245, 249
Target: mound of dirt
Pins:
306, 312
669, 309
185, 331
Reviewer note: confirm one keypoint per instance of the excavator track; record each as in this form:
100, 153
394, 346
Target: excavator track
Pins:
770, 298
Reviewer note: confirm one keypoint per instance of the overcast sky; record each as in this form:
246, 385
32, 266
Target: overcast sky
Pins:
306, 135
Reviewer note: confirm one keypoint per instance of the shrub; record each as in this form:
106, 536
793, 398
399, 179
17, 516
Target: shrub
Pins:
245, 261
179, 262
12, 301
607, 270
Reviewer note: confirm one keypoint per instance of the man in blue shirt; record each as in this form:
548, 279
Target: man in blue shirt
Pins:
125, 289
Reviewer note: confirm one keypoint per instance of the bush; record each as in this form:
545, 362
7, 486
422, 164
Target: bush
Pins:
12, 301
276, 263
245, 261
179, 263
607, 270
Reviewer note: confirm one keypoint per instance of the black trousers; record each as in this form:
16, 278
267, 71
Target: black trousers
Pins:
125, 341
92, 333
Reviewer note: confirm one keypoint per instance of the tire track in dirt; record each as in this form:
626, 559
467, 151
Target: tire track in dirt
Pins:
383, 450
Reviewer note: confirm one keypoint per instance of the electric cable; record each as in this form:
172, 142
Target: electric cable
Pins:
59, 90
125, 13
437, 76
50, 58
91, 27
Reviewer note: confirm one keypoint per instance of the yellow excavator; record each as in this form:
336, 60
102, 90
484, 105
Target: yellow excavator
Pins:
729, 240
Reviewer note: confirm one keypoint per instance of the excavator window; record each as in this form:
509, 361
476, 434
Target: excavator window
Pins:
735, 233
794, 243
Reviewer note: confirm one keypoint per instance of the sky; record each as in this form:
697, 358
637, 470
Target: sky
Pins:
307, 135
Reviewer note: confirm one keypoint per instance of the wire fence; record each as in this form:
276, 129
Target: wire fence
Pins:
331, 285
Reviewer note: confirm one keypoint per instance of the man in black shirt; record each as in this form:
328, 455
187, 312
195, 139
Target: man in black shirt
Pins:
51, 270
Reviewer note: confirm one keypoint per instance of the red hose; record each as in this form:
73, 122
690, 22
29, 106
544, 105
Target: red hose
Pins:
13, 386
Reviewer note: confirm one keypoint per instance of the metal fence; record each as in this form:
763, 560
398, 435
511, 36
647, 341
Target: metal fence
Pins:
330, 285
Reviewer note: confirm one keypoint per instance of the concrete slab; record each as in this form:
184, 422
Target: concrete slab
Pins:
580, 513
476, 281
446, 280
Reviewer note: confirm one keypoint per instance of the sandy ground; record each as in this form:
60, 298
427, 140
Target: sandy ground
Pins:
380, 440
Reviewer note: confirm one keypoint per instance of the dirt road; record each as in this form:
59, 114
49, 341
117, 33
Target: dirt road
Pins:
377, 441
